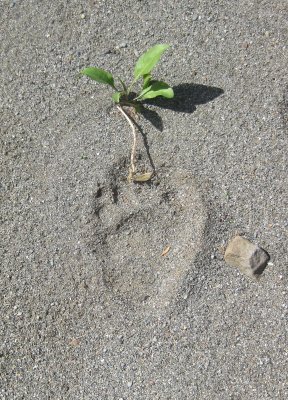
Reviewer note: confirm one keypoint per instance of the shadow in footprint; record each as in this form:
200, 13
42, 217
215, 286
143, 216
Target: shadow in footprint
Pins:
186, 97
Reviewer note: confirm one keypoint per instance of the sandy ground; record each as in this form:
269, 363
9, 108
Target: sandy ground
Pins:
90, 309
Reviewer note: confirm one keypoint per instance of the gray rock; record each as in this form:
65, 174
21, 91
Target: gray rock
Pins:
122, 45
249, 258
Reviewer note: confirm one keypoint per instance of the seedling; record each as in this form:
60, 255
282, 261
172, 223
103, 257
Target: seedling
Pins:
124, 96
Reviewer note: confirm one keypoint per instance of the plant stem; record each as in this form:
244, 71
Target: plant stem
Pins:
133, 150
130, 87
123, 85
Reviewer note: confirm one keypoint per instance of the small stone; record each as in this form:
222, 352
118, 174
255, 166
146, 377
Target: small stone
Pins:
129, 384
249, 258
121, 339
74, 342
121, 45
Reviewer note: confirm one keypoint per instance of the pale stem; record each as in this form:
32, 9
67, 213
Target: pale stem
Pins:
133, 151
130, 87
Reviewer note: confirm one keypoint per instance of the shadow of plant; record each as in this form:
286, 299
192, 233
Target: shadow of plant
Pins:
186, 97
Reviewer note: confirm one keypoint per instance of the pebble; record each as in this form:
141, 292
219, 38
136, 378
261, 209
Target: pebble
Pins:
122, 45
129, 384
121, 339
249, 258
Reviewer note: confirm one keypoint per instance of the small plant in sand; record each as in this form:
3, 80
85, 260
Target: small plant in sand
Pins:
124, 96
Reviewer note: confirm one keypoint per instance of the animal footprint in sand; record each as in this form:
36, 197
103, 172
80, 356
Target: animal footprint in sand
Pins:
136, 225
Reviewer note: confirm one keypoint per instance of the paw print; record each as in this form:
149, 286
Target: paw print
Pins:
134, 224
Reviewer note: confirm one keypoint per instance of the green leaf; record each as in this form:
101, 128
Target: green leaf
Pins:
99, 75
157, 88
143, 92
146, 81
148, 60
116, 96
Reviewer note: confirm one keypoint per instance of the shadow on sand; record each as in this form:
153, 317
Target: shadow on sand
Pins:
186, 97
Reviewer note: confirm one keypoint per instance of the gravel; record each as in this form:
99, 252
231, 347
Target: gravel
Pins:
90, 308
